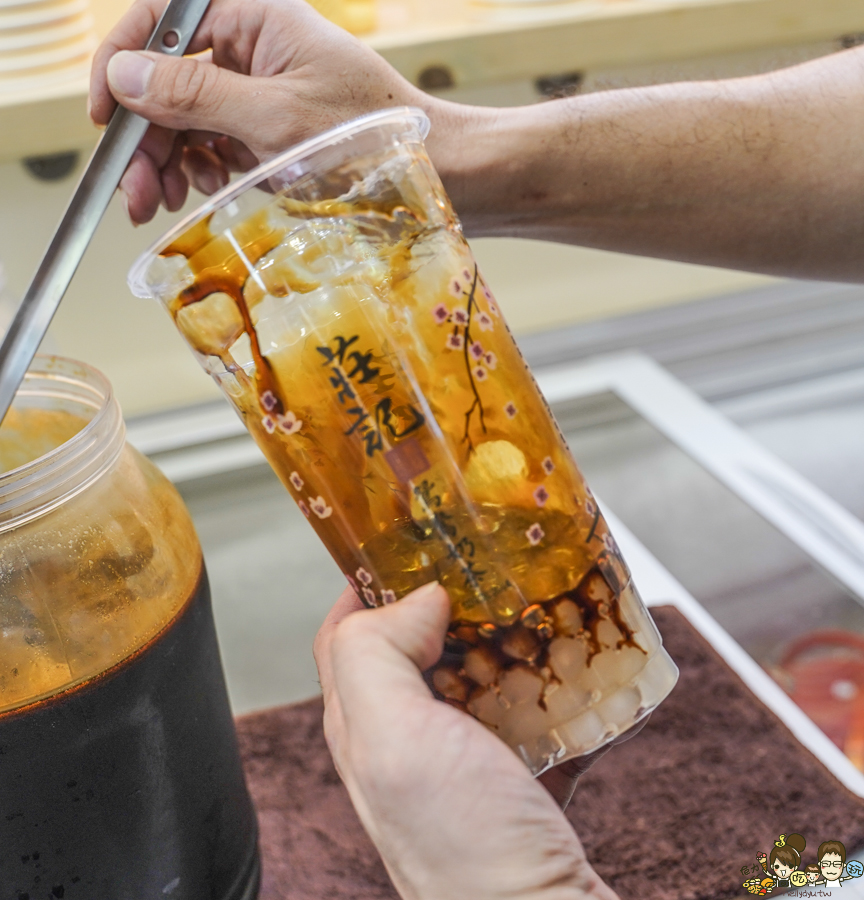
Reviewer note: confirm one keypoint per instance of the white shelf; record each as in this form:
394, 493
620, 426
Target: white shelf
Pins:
484, 44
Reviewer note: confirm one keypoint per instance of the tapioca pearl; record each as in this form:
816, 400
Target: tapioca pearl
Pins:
520, 643
567, 618
520, 685
449, 684
618, 667
487, 706
619, 709
479, 665
583, 733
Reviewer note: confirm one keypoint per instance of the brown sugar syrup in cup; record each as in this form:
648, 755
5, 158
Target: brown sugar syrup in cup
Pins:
343, 315
119, 768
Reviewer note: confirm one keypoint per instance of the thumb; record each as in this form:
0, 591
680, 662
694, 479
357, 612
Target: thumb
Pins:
381, 652
183, 94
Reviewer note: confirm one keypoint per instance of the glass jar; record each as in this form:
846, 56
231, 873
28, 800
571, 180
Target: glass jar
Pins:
121, 775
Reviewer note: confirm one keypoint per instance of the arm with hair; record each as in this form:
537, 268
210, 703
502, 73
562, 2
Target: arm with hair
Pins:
762, 173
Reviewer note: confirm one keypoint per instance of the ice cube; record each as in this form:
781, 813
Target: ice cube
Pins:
568, 658
564, 701
520, 685
487, 706
619, 709
618, 667
657, 679
584, 733
212, 325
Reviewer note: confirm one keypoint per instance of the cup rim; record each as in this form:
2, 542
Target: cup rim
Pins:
221, 198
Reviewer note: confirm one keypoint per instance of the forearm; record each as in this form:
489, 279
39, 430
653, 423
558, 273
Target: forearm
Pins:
763, 173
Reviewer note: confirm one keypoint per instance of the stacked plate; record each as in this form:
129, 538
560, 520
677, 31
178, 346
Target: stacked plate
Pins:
44, 42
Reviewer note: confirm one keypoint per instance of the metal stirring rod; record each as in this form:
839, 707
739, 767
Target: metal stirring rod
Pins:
172, 35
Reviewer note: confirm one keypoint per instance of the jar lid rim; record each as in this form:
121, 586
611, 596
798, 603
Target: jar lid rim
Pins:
34, 488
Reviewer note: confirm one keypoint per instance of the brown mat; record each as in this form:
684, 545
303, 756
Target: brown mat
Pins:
712, 779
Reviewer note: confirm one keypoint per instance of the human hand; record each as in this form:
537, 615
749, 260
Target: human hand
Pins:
274, 73
452, 810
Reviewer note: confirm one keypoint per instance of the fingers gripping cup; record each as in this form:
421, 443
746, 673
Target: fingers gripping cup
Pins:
332, 296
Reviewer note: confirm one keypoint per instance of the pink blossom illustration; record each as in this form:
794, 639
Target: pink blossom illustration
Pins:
590, 508
455, 287
289, 423
304, 508
269, 401
320, 507
609, 543
511, 410
488, 294
269, 424
493, 308
476, 350
466, 275
296, 481
548, 465
369, 596
541, 495
485, 322
480, 373
363, 576
535, 534
460, 317
491, 360
388, 596
455, 341
440, 313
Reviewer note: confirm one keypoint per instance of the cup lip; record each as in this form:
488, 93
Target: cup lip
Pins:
222, 198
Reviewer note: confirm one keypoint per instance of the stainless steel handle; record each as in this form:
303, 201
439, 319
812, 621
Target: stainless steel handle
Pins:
172, 35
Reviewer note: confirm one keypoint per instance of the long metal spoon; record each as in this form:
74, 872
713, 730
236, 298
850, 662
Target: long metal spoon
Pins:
86, 208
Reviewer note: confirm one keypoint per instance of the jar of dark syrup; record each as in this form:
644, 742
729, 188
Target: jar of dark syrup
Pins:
120, 777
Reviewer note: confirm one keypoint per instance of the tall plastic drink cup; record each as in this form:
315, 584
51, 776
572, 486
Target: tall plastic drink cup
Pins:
331, 295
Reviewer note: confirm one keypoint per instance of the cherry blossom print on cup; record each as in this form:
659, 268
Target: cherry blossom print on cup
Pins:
345, 318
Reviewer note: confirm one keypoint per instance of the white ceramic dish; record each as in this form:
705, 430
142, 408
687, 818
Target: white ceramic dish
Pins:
74, 71
13, 18
68, 29
60, 54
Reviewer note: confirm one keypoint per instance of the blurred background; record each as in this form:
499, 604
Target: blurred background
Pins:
782, 361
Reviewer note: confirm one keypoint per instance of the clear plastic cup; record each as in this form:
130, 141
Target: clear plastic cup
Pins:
331, 295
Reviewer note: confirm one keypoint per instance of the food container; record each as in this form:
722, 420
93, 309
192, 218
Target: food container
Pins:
121, 775
333, 298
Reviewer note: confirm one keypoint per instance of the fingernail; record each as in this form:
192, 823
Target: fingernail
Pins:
208, 183
124, 199
89, 108
129, 73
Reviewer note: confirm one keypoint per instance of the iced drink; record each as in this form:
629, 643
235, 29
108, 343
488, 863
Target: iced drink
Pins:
345, 318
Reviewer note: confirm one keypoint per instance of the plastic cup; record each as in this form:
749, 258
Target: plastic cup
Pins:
331, 295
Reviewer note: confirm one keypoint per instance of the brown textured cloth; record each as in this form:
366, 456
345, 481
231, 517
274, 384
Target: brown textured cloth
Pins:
713, 778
